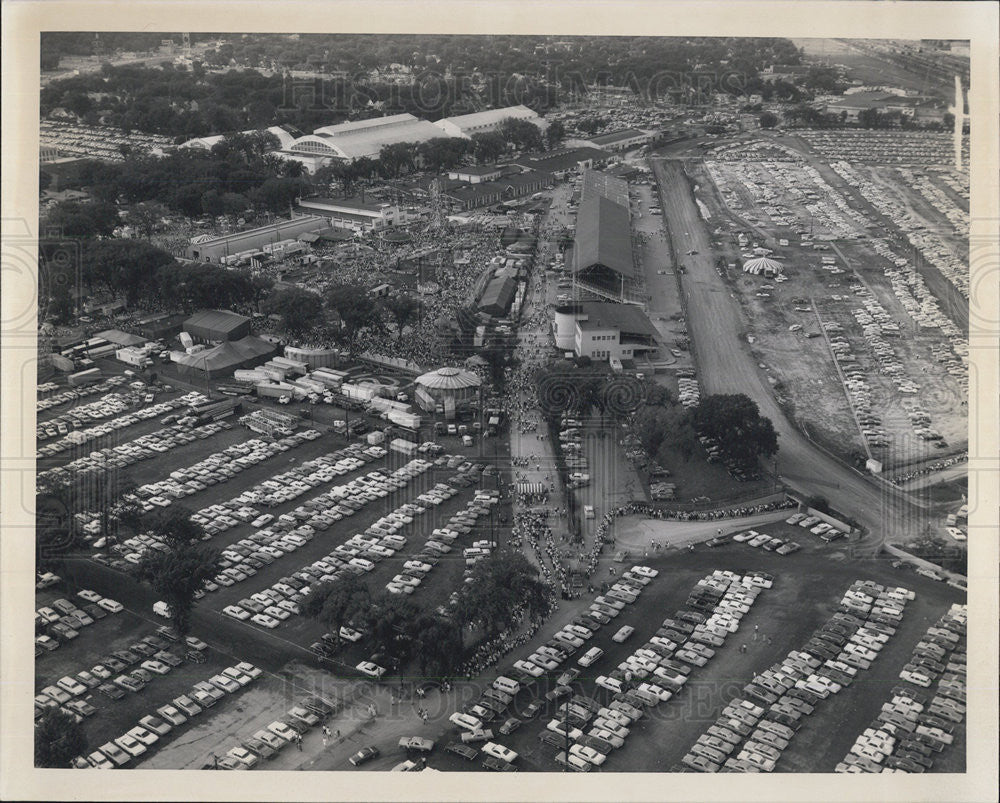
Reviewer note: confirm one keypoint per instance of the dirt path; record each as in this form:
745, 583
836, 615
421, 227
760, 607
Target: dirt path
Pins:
725, 366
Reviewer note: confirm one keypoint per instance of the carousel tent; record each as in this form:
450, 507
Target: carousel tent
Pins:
762, 266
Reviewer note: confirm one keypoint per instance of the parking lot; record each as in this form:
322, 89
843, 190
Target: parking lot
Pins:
807, 588
868, 297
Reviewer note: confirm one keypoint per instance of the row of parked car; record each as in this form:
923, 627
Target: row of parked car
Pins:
655, 672
144, 447
52, 394
267, 742
441, 538
63, 620
275, 542
474, 720
168, 718
121, 671
755, 729
217, 468
111, 404
926, 242
911, 727
816, 526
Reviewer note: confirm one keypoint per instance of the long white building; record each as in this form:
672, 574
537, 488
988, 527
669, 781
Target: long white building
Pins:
466, 125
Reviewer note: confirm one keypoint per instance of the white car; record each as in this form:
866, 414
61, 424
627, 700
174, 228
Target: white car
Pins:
466, 721
644, 571
563, 730
264, 620
90, 596
499, 751
130, 745
588, 754
623, 633
236, 612
590, 656
110, 605
371, 669
71, 686
529, 668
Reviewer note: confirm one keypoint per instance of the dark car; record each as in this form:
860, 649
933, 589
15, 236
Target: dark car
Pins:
111, 690
532, 709
195, 657
463, 750
363, 755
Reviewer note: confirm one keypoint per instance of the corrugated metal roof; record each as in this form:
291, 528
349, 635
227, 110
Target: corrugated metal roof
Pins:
603, 237
218, 320
490, 116
498, 295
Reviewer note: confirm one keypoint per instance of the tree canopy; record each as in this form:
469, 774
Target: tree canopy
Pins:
177, 574
300, 310
734, 420
504, 587
59, 738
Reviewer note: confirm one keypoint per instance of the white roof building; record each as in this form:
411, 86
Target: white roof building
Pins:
284, 138
481, 122
350, 141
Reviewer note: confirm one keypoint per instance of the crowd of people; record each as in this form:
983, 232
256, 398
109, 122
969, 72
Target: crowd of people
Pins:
603, 535
930, 468
490, 652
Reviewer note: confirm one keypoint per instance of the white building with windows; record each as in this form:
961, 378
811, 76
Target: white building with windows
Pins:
466, 125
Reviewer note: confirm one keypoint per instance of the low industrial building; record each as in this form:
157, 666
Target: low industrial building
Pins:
354, 214
466, 125
622, 140
565, 162
217, 249
213, 326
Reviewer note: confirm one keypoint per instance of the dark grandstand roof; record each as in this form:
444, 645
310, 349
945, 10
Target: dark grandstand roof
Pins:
628, 318
603, 237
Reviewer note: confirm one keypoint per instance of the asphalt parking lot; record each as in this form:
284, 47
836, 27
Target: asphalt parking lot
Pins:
807, 588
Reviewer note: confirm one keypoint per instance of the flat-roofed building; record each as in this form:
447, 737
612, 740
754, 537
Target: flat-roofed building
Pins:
353, 213
209, 248
622, 140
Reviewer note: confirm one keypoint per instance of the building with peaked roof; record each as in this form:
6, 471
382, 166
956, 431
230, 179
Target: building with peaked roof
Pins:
466, 125
224, 358
621, 140
498, 295
485, 193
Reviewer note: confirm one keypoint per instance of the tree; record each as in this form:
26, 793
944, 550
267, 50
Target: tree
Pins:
734, 420
90, 219
177, 575
555, 134
524, 135
437, 643
396, 159
488, 147
356, 309
337, 604
174, 527
300, 310
869, 118
146, 216
388, 620
402, 307
768, 119
59, 738
504, 587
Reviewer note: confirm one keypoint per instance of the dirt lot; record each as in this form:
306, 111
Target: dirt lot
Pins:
807, 589
801, 369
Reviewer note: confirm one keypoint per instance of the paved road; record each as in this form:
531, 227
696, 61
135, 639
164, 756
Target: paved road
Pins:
725, 365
